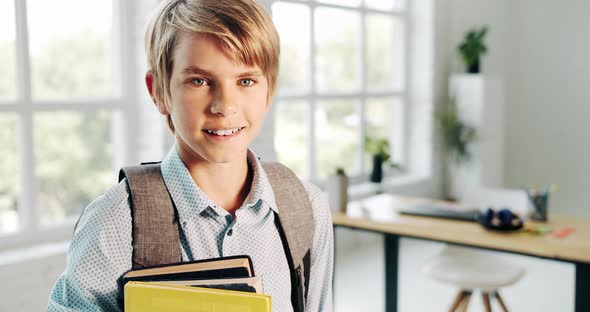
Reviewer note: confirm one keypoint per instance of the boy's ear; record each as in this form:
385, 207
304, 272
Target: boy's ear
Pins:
149, 82
151, 86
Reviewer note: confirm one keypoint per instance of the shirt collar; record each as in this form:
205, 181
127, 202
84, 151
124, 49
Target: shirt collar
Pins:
261, 188
190, 199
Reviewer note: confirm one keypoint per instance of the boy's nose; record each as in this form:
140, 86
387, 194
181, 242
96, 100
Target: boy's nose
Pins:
224, 102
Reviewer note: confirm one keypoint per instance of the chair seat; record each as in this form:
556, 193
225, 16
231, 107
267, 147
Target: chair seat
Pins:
472, 269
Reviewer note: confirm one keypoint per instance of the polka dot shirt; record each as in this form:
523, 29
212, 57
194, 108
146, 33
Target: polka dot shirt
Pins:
101, 251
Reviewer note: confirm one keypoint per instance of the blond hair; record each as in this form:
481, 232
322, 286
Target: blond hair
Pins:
243, 28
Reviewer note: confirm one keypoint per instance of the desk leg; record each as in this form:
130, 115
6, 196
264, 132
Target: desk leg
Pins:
582, 287
391, 272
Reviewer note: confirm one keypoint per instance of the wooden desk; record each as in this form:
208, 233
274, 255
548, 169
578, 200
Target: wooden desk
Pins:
379, 214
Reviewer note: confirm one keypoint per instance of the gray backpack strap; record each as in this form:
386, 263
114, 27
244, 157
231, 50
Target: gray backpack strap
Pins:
296, 225
156, 238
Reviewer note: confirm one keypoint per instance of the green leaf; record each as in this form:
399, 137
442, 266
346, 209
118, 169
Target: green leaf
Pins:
473, 46
456, 134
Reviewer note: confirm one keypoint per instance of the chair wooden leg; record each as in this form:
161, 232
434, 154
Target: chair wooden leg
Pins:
465, 301
458, 300
486, 301
500, 301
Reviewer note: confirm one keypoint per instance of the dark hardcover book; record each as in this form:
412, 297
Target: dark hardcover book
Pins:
215, 268
249, 284
237, 287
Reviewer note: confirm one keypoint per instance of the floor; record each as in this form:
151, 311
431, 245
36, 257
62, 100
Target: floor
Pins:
359, 283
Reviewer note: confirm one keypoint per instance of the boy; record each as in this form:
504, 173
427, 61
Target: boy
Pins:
213, 68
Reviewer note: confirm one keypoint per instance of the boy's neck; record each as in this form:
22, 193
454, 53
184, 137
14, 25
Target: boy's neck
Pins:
227, 184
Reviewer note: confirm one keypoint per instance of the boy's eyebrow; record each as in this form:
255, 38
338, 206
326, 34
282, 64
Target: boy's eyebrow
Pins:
201, 71
196, 70
251, 73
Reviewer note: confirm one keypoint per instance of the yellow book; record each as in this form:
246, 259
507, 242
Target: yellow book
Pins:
160, 297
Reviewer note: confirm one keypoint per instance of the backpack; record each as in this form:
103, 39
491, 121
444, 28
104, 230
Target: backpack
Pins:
152, 208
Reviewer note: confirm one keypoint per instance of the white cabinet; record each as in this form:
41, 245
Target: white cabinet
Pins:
480, 103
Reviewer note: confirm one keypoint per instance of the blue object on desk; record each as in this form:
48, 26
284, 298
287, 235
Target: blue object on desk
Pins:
506, 220
434, 211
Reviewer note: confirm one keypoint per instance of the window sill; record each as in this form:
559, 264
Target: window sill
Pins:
33, 238
34, 252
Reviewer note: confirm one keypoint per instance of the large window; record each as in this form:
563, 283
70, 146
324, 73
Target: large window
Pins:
342, 78
59, 100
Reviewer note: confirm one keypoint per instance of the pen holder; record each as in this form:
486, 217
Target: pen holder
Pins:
539, 202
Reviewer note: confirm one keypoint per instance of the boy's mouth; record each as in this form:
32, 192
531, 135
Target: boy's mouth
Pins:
223, 132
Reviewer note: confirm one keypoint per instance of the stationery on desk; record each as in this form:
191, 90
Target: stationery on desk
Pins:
218, 284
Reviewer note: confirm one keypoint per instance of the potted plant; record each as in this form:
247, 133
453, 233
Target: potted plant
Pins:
379, 149
472, 47
337, 188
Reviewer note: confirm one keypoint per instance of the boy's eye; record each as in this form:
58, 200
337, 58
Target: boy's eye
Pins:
246, 82
199, 81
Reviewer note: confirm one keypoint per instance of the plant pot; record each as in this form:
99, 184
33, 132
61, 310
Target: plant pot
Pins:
473, 68
377, 172
451, 184
337, 188
461, 177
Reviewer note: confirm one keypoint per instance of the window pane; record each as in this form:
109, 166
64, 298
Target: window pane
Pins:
385, 52
386, 5
351, 3
73, 155
7, 50
384, 119
293, 24
337, 136
70, 55
337, 53
292, 135
9, 181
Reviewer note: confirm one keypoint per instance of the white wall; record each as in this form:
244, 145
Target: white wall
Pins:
548, 99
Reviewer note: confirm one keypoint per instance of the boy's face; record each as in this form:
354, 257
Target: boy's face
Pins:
217, 106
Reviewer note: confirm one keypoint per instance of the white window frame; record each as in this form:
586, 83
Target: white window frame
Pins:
312, 95
119, 104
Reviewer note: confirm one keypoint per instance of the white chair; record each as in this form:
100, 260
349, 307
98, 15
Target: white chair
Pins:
472, 269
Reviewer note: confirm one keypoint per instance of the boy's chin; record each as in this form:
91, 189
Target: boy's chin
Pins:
215, 155
224, 157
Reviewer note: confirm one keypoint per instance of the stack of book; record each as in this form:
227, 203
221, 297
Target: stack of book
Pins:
218, 284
